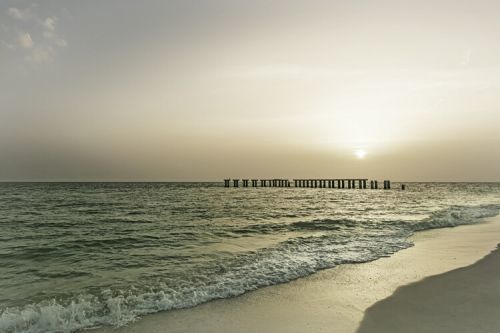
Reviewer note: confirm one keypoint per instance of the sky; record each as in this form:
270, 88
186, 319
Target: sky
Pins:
204, 90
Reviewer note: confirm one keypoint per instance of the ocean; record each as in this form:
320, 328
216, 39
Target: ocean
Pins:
82, 255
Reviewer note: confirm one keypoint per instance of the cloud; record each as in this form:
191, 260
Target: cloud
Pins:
52, 37
40, 55
466, 57
61, 42
25, 41
8, 45
36, 36
50, 23
19, 14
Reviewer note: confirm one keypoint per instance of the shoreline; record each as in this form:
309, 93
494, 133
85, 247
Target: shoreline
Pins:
334, 299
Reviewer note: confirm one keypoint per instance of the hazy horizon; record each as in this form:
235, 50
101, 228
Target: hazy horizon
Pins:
205, 90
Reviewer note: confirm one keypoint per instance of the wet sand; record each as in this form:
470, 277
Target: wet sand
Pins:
336, 300
463, 300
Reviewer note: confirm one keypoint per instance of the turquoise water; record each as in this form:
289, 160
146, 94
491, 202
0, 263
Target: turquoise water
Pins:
80, 255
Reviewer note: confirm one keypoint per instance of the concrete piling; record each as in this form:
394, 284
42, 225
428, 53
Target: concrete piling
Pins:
352, 183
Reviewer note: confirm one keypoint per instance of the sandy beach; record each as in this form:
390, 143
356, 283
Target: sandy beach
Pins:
462, 300
367, 297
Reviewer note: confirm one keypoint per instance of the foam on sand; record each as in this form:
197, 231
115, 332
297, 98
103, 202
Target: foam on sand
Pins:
334, 299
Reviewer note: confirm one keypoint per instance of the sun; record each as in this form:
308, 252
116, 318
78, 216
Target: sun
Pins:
360, 153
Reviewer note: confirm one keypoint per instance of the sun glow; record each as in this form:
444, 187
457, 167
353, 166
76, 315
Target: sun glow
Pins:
360, 154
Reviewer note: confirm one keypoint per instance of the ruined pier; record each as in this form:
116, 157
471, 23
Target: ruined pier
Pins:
341, 183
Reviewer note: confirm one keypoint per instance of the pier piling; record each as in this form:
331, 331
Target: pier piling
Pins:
352, 183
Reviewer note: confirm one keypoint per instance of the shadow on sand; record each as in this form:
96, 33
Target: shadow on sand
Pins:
463, 300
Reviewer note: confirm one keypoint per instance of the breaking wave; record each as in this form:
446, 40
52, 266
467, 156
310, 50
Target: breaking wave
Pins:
290, 259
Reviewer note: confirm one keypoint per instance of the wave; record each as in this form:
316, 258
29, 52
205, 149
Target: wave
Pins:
291, 259
455, 216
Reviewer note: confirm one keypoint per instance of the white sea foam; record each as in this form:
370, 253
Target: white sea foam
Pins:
290, 260
456, 215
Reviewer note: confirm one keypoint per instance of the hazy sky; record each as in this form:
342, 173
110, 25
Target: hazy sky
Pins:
202, 90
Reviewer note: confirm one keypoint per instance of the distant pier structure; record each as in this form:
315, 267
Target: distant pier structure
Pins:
342, 183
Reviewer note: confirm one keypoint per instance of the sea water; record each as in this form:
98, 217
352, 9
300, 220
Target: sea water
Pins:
82, 255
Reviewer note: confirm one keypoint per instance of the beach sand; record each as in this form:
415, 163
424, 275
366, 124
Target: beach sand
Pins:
336, 300
463, 300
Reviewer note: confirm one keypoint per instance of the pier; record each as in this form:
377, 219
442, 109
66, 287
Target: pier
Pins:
341, 183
